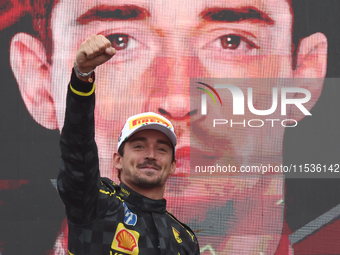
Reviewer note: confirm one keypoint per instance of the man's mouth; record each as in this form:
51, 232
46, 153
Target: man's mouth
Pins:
187, 158
148, 168
149, 165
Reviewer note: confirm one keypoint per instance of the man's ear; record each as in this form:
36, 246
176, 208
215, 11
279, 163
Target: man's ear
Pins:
173, 167
310, 70
117, 161
33, 74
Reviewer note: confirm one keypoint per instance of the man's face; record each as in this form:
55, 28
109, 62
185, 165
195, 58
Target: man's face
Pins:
161, 45
147, 160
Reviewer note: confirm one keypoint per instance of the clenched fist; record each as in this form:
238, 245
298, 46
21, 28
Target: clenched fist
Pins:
94, 51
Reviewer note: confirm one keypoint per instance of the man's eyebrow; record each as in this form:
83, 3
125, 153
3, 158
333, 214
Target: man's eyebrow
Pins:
250, 14
112, 13
163, 142
143, 139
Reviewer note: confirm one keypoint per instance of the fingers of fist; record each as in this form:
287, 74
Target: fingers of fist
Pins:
96, 45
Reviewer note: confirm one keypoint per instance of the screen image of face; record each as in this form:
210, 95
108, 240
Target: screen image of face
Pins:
162, 46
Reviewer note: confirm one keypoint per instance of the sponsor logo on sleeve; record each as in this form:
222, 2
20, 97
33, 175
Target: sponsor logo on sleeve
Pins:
191, 235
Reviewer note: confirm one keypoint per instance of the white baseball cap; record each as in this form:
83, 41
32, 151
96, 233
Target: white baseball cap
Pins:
147, 120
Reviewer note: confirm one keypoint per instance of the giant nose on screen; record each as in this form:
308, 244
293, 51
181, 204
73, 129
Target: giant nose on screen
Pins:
170, 93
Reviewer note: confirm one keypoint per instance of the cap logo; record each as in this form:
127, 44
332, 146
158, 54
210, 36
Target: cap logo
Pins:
146, 120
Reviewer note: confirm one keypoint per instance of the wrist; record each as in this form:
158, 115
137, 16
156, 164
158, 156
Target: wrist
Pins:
80, 74
80, 88
86, 79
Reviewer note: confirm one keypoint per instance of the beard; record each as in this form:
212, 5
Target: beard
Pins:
144, 181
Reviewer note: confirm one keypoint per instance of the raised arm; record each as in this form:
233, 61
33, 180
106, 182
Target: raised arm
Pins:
79, 178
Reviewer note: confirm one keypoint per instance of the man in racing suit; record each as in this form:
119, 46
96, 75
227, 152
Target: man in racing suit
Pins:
103, 217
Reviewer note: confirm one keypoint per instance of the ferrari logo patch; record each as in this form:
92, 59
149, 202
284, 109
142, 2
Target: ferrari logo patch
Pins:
176, 234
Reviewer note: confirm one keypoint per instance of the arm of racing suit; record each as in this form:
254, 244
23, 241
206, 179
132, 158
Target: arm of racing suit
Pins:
79, 178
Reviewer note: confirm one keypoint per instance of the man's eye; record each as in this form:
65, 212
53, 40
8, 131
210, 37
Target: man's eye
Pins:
231, 42
235, 42
119, 41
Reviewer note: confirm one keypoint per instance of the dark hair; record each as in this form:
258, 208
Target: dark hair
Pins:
41, 20
121, 153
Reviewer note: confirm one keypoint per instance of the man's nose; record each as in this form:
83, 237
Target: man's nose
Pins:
170, 89
150, 154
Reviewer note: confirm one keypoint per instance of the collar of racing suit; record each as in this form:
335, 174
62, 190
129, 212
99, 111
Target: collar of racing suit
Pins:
146, 204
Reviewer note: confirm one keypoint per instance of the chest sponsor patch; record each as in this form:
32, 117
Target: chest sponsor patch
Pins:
125, 240
129, 217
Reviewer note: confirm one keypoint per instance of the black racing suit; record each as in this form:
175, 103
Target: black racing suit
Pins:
103, 217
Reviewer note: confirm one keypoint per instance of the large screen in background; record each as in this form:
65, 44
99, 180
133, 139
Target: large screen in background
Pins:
250, 86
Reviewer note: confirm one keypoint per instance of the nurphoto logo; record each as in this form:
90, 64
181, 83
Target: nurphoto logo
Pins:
238, 103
